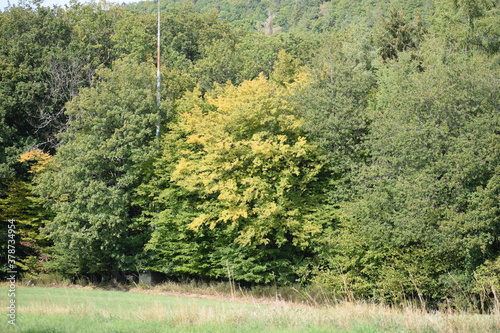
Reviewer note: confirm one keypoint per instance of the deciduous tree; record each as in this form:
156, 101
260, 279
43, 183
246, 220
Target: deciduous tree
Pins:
103, 157
241, 182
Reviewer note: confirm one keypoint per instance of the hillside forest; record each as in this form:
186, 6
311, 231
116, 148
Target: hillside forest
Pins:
349, 145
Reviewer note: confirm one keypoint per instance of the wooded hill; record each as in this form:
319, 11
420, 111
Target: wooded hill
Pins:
290, 15
349, 145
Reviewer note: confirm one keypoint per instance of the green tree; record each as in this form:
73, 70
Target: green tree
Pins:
188, 32
417, 228
396, 35
469, 25
27, 210
29, 108
334, 105
285, 69
46, 55
134, 36
104, 155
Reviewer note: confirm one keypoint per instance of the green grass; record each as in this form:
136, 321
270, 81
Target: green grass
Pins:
90, 310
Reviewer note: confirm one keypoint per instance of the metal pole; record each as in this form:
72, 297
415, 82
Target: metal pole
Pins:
158, 75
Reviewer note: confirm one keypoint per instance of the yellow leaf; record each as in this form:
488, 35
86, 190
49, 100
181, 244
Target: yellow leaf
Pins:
35, 155
198, 222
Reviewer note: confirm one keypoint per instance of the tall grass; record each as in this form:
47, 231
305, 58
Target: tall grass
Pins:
464, 300
312, 295
90, 310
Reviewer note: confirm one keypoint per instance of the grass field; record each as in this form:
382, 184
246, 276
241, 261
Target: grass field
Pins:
91, 310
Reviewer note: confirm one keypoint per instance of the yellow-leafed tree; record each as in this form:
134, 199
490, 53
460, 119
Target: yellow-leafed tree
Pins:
241, 182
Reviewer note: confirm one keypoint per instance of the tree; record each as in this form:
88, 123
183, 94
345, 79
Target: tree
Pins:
334, 106
27, 210
396, 35
29, 110
268, 27
135, 36
469, 25
104, 155
417, 226
285, 69
238, 180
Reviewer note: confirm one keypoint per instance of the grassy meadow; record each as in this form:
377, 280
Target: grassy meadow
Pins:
93, 310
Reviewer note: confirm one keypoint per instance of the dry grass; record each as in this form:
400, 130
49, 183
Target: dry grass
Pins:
194, 304
222, 311
339, 317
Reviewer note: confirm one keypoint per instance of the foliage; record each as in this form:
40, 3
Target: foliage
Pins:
26, 209
352, 144
397, 35
434, 153
244, 185
469, 25
292, 15
104, 155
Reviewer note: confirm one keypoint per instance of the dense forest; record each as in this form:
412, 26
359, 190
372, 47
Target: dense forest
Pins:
350, 145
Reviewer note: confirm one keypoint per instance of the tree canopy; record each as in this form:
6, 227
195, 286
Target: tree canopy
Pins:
351, 146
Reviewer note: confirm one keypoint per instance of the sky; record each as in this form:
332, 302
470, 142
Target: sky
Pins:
50, 3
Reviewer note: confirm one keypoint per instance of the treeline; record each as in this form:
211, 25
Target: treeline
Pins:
362, 157
293, 15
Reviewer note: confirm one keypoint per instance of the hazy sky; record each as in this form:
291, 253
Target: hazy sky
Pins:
4, 3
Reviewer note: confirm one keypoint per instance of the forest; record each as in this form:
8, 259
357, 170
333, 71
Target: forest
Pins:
349, 145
